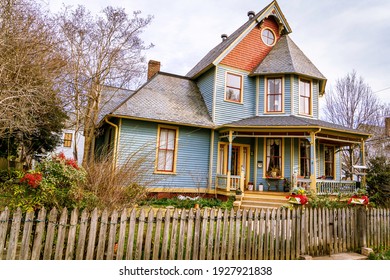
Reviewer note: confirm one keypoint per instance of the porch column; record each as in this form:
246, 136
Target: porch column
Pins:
229, 161
363, 161
313, 162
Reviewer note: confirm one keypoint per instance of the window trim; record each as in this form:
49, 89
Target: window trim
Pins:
273, 33
66, 140
176, 129
334, 160
241, 101
310, 82
266, 95
299, 156
265, 175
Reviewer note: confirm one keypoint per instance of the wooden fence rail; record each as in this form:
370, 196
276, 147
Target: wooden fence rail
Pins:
207, 234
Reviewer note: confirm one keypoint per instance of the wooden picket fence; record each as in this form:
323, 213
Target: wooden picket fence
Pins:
207, 234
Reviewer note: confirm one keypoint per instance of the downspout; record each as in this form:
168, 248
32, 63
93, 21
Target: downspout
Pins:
115, 141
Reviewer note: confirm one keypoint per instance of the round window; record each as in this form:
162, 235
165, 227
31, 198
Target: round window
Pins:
268, 37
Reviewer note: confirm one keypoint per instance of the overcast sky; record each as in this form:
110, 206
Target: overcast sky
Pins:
337, 35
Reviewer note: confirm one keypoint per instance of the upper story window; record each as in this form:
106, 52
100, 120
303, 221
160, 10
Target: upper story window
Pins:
68, 140
304, 97
233, 91
166, 150
274, 95
268, 37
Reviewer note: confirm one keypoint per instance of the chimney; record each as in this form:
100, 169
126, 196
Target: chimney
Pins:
224, 37
251, 14
387, 126
153, 68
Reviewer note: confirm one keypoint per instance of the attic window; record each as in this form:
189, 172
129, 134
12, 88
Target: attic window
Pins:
268, 37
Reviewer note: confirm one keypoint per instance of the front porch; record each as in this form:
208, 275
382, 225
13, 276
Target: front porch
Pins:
322, 187
263, 158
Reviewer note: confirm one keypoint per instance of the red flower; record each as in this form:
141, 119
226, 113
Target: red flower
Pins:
32, 179
61, 156
72, 162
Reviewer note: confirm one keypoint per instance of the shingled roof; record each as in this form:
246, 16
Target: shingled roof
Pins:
111, 98
286, 57
167, 98
206, 62
293, 121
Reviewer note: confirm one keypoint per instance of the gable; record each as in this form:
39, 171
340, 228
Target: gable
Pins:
218, 53
251, 50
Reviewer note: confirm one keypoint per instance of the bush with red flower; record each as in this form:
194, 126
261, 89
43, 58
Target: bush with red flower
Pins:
55, 182
298, 196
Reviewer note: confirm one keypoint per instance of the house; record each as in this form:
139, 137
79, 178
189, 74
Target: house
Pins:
72, 139
245, 117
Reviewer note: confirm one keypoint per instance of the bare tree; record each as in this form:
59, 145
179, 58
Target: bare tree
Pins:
30, 63
353, 104
105, 50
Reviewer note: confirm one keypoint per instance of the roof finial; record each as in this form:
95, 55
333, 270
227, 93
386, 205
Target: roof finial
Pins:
251, 14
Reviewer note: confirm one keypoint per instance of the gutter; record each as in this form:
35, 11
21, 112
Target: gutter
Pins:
115, 141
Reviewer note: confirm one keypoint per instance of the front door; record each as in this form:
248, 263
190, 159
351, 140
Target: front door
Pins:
239, 162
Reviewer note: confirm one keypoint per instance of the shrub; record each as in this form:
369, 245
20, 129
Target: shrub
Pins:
118, 187
56, 182
378, 182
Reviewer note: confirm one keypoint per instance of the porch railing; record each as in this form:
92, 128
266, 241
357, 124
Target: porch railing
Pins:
335, 187
303, 183
329, 187
234, 182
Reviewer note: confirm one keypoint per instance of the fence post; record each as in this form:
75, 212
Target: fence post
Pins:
362, 227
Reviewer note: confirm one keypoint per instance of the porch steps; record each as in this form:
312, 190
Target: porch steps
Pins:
258, 200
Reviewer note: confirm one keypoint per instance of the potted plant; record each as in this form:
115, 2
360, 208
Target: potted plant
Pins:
274, 172
359, 198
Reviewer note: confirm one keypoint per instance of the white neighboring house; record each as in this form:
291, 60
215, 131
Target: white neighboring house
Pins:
68, 143
111, 98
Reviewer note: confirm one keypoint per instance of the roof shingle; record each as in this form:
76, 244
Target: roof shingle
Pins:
289, 121
286, 57
167, 98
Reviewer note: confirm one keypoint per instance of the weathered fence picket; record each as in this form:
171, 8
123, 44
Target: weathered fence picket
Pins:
207, 234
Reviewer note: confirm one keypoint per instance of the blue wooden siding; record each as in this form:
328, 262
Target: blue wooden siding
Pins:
261, 95
225, 111
295, 95
139, 138
206, 87
287, 95
315, 99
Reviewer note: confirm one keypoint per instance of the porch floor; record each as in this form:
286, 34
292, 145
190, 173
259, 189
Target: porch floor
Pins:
260, 200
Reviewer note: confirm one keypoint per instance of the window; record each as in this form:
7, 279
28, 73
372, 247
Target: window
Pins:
268, 37
68, 140
304, 97
329, 161
274, 95
274, 157
304, 158
233, 88
166, 150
